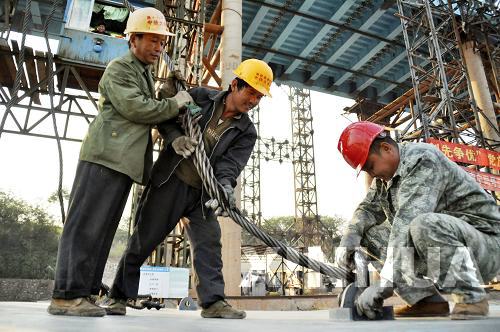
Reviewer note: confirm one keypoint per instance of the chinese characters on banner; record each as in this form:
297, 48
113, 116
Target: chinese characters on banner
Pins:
486, 180
468, 154
474, 156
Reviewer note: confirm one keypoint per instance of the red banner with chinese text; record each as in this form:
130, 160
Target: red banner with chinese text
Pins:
486, 180
468, 154
474, 156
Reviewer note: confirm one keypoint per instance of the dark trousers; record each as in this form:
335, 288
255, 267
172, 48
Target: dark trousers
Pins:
96, 205
159, 211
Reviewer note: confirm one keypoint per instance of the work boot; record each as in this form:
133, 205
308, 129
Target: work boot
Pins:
478, 310
116, 307
431, 306
222, 309
80, 306
94, 299
423, 309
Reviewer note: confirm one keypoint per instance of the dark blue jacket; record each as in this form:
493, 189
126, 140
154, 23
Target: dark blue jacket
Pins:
228, 157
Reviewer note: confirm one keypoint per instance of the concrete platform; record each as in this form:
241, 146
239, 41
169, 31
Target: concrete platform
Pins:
32, 316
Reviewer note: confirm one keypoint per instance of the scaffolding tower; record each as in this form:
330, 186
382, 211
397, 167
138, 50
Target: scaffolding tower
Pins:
300, 151
306, 208
453, 50
250, 193
436, 36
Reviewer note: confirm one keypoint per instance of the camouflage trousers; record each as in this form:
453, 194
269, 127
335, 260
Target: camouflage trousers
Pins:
444, 251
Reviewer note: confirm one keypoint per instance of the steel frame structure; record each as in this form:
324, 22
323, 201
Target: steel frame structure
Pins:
300, 151
250, 184
61, 95
186, 19
306, 208
443, 104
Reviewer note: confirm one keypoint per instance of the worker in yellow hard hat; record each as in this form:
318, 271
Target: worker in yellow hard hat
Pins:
116, 152
175, 189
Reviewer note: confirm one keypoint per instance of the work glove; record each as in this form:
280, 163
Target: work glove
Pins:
184, 145
193, 109
213, 203
344, 254
168, 88
371, 301
183, 98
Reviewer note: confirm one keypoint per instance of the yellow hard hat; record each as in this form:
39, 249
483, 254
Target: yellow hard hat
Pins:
147, 20
257, 74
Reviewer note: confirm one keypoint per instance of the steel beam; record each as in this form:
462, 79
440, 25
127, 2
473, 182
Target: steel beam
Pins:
371, 53
348, 43
339, 13
321, 20
325, 64
288, 29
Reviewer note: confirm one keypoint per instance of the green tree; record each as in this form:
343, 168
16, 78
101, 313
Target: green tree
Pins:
54, 197
119, 245
28, 240
286, 230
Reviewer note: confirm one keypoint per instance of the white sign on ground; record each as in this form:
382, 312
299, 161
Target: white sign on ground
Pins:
164, 282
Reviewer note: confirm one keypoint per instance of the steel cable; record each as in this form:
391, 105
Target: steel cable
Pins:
215, 190
20, 67
50, 85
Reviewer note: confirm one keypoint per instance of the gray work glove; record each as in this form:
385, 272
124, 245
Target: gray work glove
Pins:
168, 88
184, 145
183, 98
213, 203
344, 254
371, 301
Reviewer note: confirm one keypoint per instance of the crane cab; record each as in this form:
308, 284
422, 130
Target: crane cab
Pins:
93, 32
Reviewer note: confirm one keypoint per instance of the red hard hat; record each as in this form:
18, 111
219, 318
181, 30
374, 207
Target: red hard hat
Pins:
355, 142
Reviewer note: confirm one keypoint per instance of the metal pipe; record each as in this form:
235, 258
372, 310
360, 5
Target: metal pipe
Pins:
479, 83
231, 21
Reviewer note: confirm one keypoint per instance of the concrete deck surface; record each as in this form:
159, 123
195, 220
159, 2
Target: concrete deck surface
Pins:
32, 316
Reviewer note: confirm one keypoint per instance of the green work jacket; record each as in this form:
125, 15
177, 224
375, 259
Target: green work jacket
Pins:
120, 135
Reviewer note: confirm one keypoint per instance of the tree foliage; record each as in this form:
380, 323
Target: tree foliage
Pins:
28, 240
287, 230
119, 245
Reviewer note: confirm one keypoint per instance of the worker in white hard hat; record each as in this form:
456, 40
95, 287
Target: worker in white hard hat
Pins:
175, 189
116, 152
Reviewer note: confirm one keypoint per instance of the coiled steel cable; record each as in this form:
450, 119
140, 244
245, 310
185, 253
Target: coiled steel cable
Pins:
215, 190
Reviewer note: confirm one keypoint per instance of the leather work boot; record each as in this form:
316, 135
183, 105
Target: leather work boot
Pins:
116, 307
423, 309
478, 310
222, 309
80, 306
94, 299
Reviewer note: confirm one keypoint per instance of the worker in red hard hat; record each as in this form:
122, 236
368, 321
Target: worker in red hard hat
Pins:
427, 220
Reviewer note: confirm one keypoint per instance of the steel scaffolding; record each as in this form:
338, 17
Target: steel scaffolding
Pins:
443, 104
53, 97
306, 208
250, 193
185, 18
301, 153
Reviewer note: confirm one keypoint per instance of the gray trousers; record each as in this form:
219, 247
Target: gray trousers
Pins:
159, 210
446, 251
96, 205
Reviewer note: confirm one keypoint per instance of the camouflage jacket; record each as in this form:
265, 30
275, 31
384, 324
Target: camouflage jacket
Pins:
425, 182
